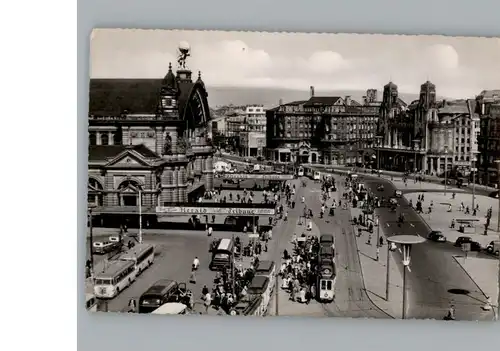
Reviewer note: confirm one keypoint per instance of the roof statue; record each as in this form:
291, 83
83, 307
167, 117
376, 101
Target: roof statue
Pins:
184, 53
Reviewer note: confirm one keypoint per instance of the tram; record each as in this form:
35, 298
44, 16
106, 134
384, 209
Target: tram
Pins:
300, 171
325, 282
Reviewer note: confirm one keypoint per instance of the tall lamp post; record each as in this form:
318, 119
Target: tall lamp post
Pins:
498, 180
473, 170
406, 242
378, 138
416, 144
445, 168
91, 242
140, 217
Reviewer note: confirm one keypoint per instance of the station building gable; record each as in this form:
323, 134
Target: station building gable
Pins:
120, 156
121, 97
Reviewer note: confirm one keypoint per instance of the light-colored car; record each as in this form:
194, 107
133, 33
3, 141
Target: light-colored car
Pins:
494, 247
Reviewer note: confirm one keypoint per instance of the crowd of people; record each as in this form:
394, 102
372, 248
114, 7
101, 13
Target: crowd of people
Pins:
298, 269
230, 285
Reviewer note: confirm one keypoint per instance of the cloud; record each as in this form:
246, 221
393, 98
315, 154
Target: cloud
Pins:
289, 61
443, 57
326, 62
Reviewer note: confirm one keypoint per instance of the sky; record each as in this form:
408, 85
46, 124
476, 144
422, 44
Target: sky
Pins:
461, 67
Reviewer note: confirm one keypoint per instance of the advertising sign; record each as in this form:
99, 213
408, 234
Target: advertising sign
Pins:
258, 176
193, 210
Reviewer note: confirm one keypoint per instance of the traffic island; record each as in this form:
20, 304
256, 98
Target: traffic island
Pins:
387, 297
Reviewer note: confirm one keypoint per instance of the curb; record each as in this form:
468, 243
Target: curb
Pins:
363, 278
455, 257
495, 305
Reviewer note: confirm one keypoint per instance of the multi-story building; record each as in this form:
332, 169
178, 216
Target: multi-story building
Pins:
255, 119
488, 108
324, 129
253, 131
148, 143
427, 135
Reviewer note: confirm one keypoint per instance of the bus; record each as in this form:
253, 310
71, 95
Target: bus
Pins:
142, 255
114, 278
300, 171
222, 256
161, 292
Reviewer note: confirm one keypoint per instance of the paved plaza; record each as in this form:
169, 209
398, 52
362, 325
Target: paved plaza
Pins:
440, 217
176, 249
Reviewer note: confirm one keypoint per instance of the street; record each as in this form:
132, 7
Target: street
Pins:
351, 299
435, 280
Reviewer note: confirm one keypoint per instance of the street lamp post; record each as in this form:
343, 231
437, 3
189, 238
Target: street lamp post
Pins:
445, 168
378, 138
498, 180
473, 170
416, 143
406, 241
140, 217
91, 244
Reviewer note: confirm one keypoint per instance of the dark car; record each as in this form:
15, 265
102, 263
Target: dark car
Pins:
436, 236
326, 239
474, 245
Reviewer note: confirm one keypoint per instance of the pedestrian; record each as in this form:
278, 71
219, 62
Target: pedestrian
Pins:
209, 231
207, 301
192, 277
132, 306
196, 263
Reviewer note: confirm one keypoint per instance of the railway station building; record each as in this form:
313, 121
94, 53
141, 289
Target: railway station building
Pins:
148, 142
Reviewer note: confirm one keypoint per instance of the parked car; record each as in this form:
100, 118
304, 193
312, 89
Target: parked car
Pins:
474, 245
398, 193
436, 236
494, 247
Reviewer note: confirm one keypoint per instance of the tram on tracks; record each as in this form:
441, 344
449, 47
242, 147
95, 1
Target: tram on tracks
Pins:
326, 274
300, 171
326, 279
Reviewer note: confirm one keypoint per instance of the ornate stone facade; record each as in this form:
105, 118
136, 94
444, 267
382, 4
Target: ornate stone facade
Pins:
156, 149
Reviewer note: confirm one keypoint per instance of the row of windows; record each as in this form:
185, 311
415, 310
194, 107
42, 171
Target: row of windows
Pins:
105, 139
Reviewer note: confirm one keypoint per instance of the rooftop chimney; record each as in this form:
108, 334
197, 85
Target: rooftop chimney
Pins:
348, 100
312, 91
281, 102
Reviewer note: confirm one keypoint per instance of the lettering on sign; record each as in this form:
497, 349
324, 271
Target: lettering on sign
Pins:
258, 176
215, 211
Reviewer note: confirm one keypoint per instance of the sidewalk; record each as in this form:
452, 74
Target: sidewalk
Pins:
375, 271
440, 219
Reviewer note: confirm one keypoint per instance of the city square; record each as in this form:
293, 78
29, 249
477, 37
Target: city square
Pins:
326, 206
